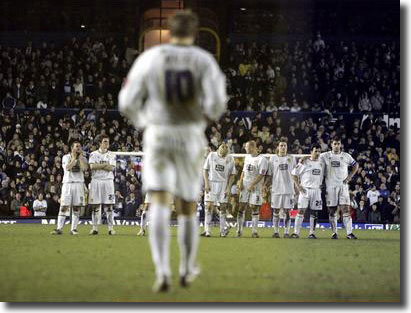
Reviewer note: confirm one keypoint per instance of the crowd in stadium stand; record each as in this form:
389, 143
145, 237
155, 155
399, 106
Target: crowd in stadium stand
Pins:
313, 76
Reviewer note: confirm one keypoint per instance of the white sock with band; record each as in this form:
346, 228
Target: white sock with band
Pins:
159, 238
188, 243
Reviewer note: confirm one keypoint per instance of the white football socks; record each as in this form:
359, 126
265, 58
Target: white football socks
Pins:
143, 220
75, 217
287, 222
333, 223
110, 219
159, 238
276, 222
96, 217
208, 218
240, 221
188, 243
222, 222
254, 218
298, 223
347, 222
61, 219
312, 224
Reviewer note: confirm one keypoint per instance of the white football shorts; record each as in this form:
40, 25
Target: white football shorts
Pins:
72, 194
216, 193
254, 198
311, 198
282, 201
101, 192
173, 160
337, 195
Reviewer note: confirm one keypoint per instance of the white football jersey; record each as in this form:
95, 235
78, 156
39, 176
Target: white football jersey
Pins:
97, 157
173, 84
254, 166
76, 175
311, 173
280, 168
336, 167
219, 169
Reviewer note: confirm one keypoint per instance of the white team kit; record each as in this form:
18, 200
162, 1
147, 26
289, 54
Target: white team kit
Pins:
253, 166
311, 175
168, 91
282, 188
336, 172
102, 182
72, 192
219, 171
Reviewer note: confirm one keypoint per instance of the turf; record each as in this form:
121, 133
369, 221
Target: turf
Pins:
38, 267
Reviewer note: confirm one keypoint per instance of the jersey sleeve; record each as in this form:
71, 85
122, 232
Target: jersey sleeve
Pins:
65, 161
297, 170
213, 84
112, 160
263, 166
92, 158
207, 162
270, 167
134, 90
350, 160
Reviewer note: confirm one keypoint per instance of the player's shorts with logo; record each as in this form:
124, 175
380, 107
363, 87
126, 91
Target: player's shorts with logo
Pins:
173, 159
311, 198
337, 195
282, 201
216, 193
101, 192
254, 197
72, 194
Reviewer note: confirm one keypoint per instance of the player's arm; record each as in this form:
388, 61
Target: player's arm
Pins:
213, 84
350, 176
74, 160
83, 163
240, 182
134, 90
255, 182
297, 183
206, 182
230, 184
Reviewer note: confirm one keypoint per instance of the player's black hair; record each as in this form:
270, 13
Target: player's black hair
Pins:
315, 146
73, 142
336, 138
183, 24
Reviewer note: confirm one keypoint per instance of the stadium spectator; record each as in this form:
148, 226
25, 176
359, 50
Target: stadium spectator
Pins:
40, 206
16, 204
374, 216
361, 212
373, 195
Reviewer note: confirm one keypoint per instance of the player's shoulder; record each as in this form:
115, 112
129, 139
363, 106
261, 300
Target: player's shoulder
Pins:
66, 156
94, 153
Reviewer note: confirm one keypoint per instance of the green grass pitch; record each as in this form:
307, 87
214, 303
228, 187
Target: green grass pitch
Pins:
38, 267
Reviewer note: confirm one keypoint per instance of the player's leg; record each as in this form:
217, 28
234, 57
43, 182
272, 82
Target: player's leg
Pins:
61, 219
240, 217
65, 204
276, 219
302, 205
159, 238
287, 222
344, 205
332, 202
95, 218
75, 218
188, 240
108, 209
208, 216
143, 220
313, 222
95, 202
255, 217
223, 216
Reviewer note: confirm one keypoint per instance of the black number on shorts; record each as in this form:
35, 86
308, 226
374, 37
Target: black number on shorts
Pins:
257, 198
179, 86
318, 203
110, 197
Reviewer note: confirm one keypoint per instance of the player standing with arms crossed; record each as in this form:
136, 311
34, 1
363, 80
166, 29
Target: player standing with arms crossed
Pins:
72, 192
308, 177
250, 186
282, 186
336, 181
171, 91
101, 195
219, 171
